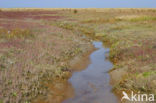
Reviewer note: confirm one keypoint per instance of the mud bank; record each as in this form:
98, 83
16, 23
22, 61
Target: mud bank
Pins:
93, 83
59, 89
89, 82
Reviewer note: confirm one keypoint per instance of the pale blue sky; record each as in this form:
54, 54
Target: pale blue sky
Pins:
78, 3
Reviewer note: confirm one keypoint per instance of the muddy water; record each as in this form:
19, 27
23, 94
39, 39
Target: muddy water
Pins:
92, 85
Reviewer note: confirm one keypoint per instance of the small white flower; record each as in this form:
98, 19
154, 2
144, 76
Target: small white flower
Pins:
8, 32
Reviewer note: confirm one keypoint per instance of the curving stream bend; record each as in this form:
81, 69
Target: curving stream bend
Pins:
92, 85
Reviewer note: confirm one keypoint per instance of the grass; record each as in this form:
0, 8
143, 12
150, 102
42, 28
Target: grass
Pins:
15, 33
147, 74
75, 28
143, 18
25, 62
130, 34
102, 20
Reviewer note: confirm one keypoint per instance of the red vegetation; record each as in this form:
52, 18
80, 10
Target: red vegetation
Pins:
28, 14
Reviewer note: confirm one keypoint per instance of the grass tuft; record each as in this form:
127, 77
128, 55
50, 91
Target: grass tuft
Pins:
147, 74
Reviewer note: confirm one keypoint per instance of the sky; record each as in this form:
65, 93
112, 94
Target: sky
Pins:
77, 3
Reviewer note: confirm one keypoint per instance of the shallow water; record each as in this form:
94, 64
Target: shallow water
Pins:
92, 85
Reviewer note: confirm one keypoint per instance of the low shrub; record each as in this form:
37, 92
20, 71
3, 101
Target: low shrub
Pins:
75, 11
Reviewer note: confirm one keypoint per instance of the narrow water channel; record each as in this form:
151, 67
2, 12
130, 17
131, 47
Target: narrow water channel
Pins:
92, 84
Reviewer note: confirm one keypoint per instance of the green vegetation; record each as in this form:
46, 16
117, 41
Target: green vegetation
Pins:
102, 20
130, 35
25, 63
33, 54
78, 28
15, 33
147, 74
143, 18
75, 11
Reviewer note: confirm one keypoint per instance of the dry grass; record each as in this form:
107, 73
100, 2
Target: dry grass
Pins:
26, 62
76, 28
102, 20
15, 33
130, 34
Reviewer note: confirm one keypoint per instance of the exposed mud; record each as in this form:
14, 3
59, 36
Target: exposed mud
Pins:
89, 83
60, 89
92, 85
